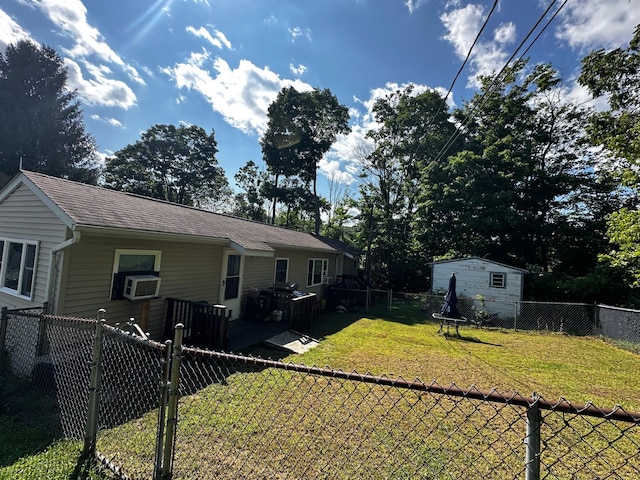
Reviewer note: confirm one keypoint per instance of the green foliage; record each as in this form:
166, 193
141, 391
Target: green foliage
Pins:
169, 163
41, 123
624, 232
524, 180
606, 284
414, 128
616, 76
302, 127
250, 203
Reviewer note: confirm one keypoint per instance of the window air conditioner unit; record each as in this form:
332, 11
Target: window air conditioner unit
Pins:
326, 280
141, 287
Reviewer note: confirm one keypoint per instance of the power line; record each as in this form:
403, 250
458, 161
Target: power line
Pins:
496, 77
486, 21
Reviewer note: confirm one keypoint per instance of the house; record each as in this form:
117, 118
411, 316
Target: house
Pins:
348, 262
80, 248
477, 278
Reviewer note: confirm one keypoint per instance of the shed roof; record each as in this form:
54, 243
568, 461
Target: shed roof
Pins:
82, 205
458, 260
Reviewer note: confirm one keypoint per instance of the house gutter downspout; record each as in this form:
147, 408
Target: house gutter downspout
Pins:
75, 238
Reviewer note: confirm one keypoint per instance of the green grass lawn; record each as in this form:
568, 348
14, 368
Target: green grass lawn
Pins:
30, 454
401, 343
406, 343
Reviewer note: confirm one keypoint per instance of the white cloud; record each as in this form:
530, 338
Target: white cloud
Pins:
218, 39
71, 17
109, 121
271, 20
344, 159
299, 70
412, 5
241, 95
598, 23
299, 32
488, 56
10, 31
99, 90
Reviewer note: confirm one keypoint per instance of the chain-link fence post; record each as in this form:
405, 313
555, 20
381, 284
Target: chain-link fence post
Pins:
4, 316
162, 414
534, 419
172, 407
94, 387
368, 298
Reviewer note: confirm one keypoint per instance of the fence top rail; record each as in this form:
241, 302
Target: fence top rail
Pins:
564, 406
621, 309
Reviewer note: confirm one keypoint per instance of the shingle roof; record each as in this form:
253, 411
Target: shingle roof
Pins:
92, 206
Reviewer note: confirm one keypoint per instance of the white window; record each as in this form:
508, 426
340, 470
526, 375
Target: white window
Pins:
282, 270
132, 262
498, 280
18, 266
318, 269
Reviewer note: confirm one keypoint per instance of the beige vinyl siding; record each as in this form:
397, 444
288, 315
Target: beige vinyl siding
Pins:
258, 273
23, 216
299, 268
189, 271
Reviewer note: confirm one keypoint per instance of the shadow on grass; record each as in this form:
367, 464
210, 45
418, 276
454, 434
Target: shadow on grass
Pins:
20, 440
462, 338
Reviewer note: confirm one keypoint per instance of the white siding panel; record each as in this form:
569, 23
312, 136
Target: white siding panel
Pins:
473, 278
24, 217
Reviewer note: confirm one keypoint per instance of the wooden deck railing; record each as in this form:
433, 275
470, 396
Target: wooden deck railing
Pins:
205, 325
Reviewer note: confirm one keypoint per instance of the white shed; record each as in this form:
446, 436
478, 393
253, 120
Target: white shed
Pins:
498, 284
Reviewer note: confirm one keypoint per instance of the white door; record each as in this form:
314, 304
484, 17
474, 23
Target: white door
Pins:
231, 284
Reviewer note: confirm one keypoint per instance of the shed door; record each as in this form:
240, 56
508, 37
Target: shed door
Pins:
231, 282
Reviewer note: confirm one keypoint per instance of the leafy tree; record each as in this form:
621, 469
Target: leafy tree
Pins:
616, 75
302, 127
173, 164
524, 185
249, 203
41, 123
413, 128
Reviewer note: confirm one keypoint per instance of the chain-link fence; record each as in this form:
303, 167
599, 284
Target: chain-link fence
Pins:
557, 317
619, 323
150, 410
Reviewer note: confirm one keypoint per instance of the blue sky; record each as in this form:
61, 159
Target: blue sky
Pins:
219, 64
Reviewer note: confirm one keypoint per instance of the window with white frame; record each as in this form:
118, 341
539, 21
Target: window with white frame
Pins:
498, 280
282, 270
132, 262
18, 266
318, 269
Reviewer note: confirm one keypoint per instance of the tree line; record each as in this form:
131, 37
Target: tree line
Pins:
519, 174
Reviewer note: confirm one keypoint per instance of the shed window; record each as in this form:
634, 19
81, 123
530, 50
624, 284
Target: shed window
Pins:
18, 266
318, 269
498, 280
132, 262
282, 268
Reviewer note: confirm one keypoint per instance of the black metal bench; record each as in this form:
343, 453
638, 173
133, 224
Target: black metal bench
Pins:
448, 321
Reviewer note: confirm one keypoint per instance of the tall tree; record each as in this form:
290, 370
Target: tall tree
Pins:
414, 126
615, 75
41, 123
176, 164
250, 202
523, 187
302, 127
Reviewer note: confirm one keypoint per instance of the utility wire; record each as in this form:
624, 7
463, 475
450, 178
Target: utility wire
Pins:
486, 21
458, 131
